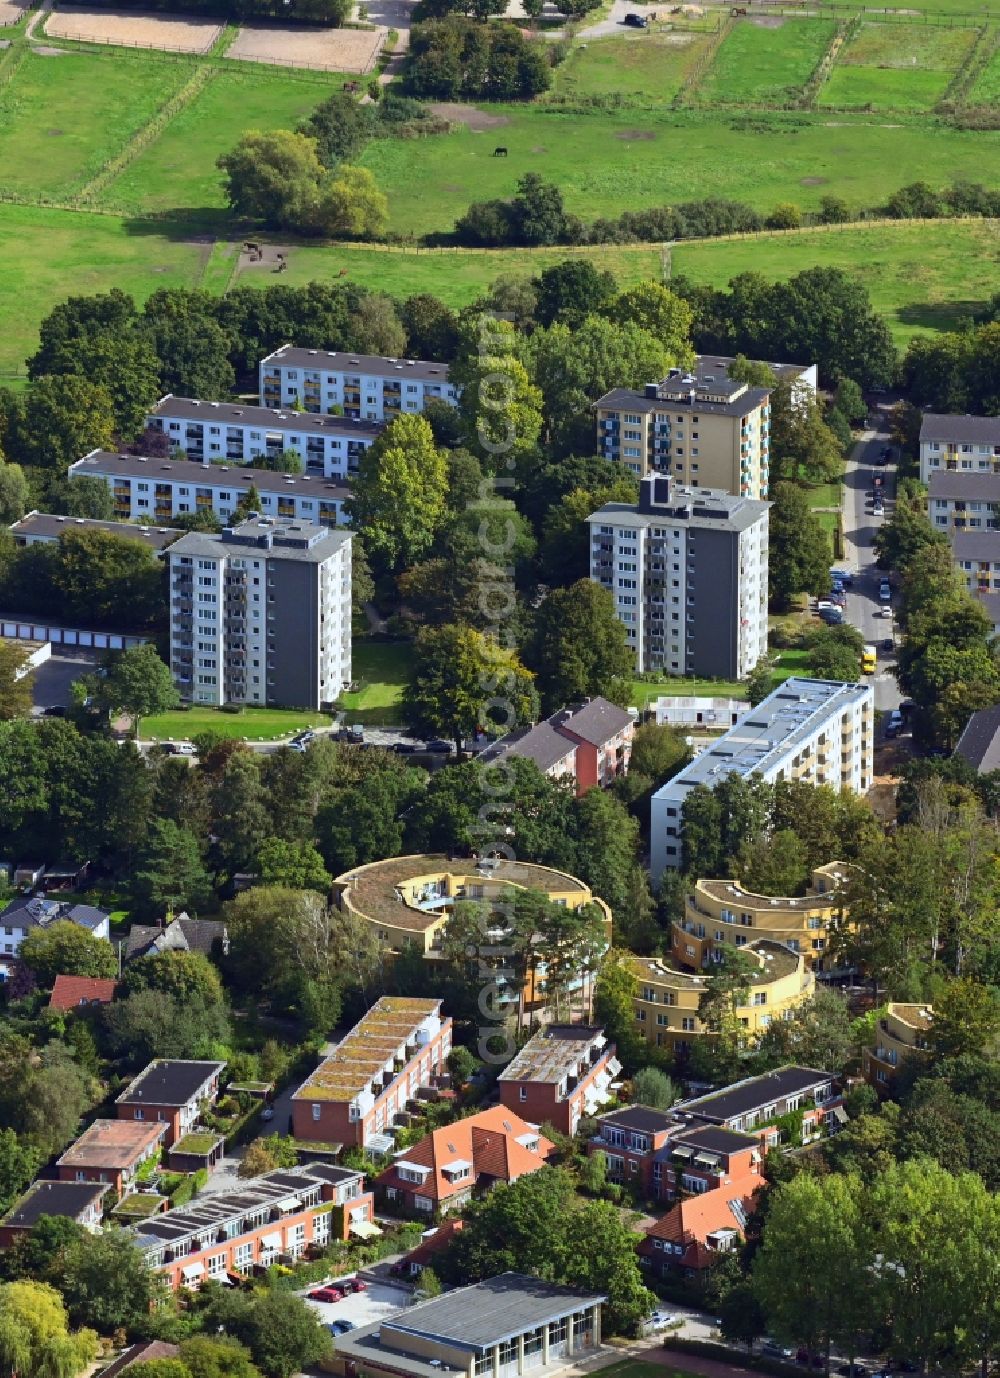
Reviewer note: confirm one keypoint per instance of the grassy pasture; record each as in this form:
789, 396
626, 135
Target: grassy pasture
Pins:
63, 116
646, 69
986, 89
896, 67
758, 65
178, 169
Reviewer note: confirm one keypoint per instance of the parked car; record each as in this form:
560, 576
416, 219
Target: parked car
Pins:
770, 1349
179, 749
888, 644
55, 710
267, 1113
885, 612
894, 723
406, 748
440, 747
357, 1285
843, 576
636, 21
326, 1294
885, 594
831, 616
661, 1320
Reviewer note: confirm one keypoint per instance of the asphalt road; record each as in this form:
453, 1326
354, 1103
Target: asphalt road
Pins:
863, 609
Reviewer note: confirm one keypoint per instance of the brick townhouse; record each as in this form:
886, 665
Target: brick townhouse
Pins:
563, 1072
263, 1220
353, 1097
589, 743
171, 1091
112, 1151
79, 1201
665, 1157
443, 1170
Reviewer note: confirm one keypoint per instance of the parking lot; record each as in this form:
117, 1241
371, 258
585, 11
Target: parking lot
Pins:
380, 1300
52, 683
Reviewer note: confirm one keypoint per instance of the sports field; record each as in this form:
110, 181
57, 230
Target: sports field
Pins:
766, 61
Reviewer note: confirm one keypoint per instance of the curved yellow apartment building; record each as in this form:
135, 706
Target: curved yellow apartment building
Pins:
720, 913
902, 1032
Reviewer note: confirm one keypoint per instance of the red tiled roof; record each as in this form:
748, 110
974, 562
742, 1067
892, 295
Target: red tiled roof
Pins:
434, 1243
489, 1141
694, 1218
69, 992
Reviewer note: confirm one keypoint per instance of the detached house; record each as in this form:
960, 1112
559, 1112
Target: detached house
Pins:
442, 1171
171, 1092
36, 911
689, 1238
75, 993
563, 1072
210, 937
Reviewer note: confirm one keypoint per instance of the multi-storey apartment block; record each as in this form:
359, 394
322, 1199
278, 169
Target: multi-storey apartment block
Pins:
268, 1218
958, 501
664, 1156
158, 490
42, 528
668, 998
720, 914
703, 428
902, 1032
959, 444
977, 559
354, 1095
817, 730
227, 432
687, 568
753, 1106
562, 1072
363, 385
79, 1201
171, 1092
261, 614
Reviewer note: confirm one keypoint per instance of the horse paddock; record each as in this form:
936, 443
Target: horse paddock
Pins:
327, 50
133, 29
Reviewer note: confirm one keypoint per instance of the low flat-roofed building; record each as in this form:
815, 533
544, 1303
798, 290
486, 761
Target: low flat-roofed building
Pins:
374, 386
353, 1097
79, 1201
902, 1032
721, 913
171, 1090
210, 432
112, 1152
503, 1327
278, 1215
817, 730
668, 998
44, 528
696, 711
158, 490
958, 444
562, 1073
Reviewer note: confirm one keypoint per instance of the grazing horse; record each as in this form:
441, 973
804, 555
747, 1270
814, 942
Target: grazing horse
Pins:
500, 152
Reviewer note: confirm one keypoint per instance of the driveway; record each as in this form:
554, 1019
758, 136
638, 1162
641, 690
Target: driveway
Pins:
863, 609
51, 686
381, 1300
614, 22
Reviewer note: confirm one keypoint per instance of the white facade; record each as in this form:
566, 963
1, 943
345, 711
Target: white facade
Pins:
959, 444
158, 490
217, 432
819, 731
370, 387
687, 569
261, 615
959, 501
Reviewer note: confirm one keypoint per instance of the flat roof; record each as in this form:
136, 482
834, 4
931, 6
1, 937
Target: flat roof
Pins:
372, 1043
54, 1198
170, 1081
766, 735
639, 1117
731, 890
775, 959
487, 1313
273, 538
113, 1143
961, 486
755, 1093
50, 526
701, 509
550, 1053
241, 477
967, 430
372, 890
327, 360
618, 399
171, 408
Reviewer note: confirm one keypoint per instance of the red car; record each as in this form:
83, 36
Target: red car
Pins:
358, 1285
326, 1294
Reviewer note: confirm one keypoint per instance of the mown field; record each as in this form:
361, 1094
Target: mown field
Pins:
766, 62
896, 67
647, 68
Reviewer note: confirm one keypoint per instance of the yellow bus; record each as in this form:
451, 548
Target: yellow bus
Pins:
869, 660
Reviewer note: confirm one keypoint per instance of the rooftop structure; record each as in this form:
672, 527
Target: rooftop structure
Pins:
342, 361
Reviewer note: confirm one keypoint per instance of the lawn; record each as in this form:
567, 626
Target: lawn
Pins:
758, 65
896, 67
824, 495
63, 117
609, 161
178, 170
382, 669
256, 724
923, 277
647, 69
671, 686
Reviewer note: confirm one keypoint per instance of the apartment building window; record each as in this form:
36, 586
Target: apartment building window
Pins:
522, 1093
688, 1024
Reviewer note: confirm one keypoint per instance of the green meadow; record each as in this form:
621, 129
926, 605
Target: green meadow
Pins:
766, 61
